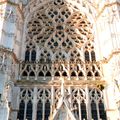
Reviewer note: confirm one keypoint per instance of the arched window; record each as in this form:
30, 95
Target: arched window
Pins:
27, 55
97, 74
64, 74
80, 74
33, 55
89, 74
48, 74
47, 110
39, 110
73, 74
93, 56
29, 111
57, 74
102, 111
24, 74
41, 74
94, 111
32, 73
21, 110
87, 57
83, 111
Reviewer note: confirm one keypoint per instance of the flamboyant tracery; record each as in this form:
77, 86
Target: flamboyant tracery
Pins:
60, 44
56, 29
59, 33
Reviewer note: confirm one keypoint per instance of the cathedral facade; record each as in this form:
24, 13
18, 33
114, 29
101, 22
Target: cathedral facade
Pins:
59, 59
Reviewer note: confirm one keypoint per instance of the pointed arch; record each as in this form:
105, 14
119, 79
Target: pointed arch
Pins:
80, 74
97, 74
32, 74
93, 56
33, 55
73, 74
75, 55
45, 55
64, 74
89, 74
48, 74
24, 74
27, 55
83, 110
87, 56
57, 74
60, 55
41, 74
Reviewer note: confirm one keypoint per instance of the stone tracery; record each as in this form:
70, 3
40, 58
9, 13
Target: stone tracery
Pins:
59, 28
63, 35
59, 44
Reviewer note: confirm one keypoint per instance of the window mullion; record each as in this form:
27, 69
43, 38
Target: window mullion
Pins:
88, 106
43, 113
97, 110
34, 104
26, 101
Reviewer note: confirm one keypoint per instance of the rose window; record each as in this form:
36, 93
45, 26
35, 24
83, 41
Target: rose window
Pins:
59, 26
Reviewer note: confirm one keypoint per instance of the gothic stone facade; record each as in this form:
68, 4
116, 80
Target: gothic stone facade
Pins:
59, 60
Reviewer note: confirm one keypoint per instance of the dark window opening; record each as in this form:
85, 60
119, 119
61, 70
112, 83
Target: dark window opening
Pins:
33, 56
93, 56
27, 55
94, 111
64, 74
0, 96
83, 111
80, 74
102, 111
41, 74
48, 74
21, 110
32, 73
24, 93
24, 73
97, 74
93, 68
28, 68
73, 74
29, 111
57, 74
47, 110
39, 110
89, 74
87, 57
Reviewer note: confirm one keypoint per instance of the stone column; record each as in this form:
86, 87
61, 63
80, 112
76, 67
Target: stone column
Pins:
88, 107
34, 104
